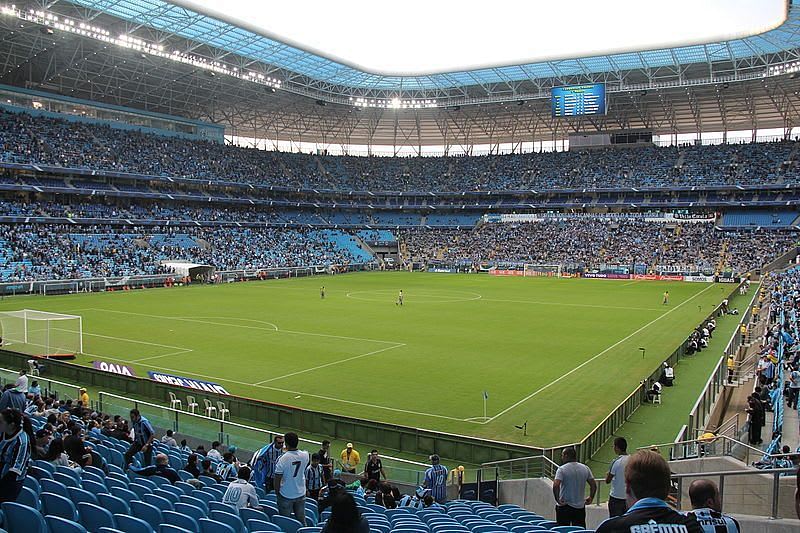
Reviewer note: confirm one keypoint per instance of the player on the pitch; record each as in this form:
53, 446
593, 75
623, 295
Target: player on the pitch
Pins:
399, 299
322, 292
666, 298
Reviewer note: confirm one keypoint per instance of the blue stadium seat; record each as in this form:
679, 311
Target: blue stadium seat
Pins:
93, 517
219, 506
40, 473
95, 487
32, 484
247, 514
212, 526
167, 528
67, 471
190, 510
124, 494
259, 526
57, 505
114, 504
184, 521
21, 518
62, 525
287, 524
157, 501
197, 502
28, 497
230, 518
131, 524
185, 488
147, 512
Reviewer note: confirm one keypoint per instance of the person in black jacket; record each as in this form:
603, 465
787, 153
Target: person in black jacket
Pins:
647, 484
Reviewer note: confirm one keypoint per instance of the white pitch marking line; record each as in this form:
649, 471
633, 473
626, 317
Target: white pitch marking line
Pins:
631, 283
547, 386
137, 341
573, 305
179, 352
330, 364
327, 398
243, 326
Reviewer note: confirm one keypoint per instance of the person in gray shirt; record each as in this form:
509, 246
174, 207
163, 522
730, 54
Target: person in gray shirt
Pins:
569, 490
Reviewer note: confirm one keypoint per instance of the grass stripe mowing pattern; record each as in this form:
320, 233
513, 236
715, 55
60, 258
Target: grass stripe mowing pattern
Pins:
559, 353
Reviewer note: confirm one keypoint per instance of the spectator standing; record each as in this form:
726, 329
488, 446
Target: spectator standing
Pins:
794, 387
290, 479
264, 461
569, 492
350, 459
707, 508
617, 504
240, 494
315, 477
373, 469
325, 460
345, 517
15, 453
22, 381
731, 367
436, 479
169, 439
647, 482
84, 398
143, 437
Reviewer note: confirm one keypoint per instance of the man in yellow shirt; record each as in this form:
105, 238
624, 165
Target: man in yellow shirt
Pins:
731, 368
84, 398
350, 459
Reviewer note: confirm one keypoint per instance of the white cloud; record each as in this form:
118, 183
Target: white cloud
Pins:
416, 37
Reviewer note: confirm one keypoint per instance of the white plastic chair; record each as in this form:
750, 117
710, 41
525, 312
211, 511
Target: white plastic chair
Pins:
173, 401
209, 407
191, 404
223, 411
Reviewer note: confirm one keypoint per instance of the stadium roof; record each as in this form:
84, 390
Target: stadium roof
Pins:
164, 58
419, 37
192, 24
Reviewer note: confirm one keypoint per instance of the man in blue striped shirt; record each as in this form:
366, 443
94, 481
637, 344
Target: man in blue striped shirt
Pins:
436, 480
15, 454
143, 437
264, 461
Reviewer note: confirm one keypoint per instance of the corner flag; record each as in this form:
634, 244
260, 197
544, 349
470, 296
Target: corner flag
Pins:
485, 395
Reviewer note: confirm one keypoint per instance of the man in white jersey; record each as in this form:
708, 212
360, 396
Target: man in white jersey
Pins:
707, 508
569, 490
290, 479
617, 503
240, 493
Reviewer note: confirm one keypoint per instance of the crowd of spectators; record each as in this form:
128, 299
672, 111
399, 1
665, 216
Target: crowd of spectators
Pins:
35, 252
596, 242
56, 142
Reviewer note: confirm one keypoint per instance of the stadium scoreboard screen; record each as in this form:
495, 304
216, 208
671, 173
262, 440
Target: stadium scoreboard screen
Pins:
578, 100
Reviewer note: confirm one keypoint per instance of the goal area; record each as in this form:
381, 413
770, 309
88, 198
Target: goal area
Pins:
532, 269
41, 333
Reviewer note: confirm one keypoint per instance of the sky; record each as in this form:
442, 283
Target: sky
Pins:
416, 37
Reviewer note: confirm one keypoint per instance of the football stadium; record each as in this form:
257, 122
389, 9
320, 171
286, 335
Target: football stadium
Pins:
436, 267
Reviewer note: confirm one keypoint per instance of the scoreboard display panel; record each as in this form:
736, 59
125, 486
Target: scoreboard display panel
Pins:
579, 100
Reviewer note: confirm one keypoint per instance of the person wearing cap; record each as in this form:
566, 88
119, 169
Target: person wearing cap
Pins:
41, 443
350, 459
84, 398
436, 480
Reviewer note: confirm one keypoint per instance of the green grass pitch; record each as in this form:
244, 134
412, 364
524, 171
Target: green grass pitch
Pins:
557, 353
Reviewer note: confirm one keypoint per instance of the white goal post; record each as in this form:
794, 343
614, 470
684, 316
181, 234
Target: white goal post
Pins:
533, 269
41, 333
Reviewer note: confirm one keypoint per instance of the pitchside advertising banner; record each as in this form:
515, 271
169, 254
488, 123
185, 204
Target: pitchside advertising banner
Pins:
189, 383
114, 368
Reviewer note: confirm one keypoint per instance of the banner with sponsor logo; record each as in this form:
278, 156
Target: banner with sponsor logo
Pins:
189, 383
657, 277
606, 275
114, 368
725, 279
699, 279
502, 272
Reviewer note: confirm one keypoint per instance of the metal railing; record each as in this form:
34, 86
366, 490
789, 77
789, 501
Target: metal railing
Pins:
59, 389
246, 438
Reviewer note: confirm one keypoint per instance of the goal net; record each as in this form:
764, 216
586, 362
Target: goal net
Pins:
41, 333
542, 270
